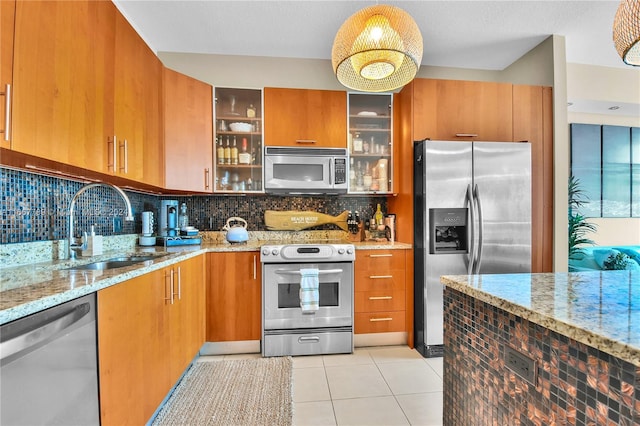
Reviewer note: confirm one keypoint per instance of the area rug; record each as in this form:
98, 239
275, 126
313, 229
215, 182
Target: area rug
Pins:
233, 392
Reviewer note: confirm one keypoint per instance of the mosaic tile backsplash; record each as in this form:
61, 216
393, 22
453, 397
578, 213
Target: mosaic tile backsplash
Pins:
576, 384
35, 208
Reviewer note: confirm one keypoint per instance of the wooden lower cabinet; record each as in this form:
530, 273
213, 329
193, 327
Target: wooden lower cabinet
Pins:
380, 291
234, 289
146, 338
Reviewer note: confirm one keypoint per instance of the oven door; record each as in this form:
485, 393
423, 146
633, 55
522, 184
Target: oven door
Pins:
290, 173
281, 298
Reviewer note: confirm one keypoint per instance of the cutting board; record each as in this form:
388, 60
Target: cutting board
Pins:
293, 220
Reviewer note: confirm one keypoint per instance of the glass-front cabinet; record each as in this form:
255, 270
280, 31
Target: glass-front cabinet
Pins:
238, 130
370, 143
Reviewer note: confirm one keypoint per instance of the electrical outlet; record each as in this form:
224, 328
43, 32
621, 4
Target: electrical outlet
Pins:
117, 225
521, 364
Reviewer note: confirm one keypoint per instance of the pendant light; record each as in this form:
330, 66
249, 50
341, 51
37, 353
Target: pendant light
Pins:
626, 31
378, 49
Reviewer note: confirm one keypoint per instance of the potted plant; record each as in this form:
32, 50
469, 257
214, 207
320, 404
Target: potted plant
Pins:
578, 225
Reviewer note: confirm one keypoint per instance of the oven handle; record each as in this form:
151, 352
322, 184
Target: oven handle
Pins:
321, 272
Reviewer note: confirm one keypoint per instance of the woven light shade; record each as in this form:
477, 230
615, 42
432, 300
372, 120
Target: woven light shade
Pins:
626, 31
377, 49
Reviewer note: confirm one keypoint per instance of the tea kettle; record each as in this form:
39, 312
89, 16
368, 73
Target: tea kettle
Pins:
236, 233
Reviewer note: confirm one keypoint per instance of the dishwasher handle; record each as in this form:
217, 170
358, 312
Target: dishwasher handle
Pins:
43, 332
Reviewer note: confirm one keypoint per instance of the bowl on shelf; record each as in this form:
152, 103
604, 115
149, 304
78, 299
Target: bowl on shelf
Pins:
240, 127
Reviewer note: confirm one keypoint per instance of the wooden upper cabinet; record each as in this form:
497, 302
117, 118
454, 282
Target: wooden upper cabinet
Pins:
62, 80
462, 110
301, 117
137, 107
188, 133
533, 122
7, 19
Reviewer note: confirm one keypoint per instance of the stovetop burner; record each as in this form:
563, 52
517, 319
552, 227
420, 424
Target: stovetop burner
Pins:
308, 252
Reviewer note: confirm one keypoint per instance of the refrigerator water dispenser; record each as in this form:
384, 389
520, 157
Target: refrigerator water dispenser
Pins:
448, 231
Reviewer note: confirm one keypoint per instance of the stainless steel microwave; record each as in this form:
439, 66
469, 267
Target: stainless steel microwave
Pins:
291, 170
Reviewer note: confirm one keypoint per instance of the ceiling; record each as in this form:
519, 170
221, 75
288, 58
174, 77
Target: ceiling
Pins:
475, 34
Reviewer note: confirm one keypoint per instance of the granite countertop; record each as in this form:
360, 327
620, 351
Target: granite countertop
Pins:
600, 309
29, 288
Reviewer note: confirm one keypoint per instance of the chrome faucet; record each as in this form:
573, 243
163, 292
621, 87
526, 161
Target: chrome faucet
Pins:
73, 247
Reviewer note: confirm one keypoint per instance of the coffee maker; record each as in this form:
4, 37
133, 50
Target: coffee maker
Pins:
168, 226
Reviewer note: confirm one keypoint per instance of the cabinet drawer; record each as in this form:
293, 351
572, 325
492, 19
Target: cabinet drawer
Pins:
380, 322
386, 281
376, 261
379, 301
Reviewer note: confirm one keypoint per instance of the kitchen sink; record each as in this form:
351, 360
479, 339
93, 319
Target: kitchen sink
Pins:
116, 262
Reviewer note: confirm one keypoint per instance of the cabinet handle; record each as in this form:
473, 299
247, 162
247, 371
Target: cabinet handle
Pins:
255, 268
7, 113
114, 154
466, 135
380, 319
306, 141
170, 274
125, 167
379, 277
381, 255
380, 297
179, 284
206, 178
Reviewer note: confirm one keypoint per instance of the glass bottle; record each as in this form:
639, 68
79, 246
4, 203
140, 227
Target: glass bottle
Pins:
352, 174
227, 153
367, 179
220, 152
244, 157
183, 218
379, 216
251, 111
359, 177
357, 143
234, 152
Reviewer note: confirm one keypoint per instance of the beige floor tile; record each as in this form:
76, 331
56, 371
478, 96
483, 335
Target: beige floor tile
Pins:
319, 413
383, 354
369, 411
310, 384
307, 361
413, 376
359, 356
422, 409
356, 381
436, 364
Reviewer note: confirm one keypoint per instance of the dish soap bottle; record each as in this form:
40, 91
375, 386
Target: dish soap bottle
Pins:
183, 219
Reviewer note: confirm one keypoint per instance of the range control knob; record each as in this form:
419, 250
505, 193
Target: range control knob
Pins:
274, 252
265, 251
349, 251
341, 251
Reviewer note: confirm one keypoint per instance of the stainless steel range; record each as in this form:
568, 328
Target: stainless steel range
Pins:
287, 327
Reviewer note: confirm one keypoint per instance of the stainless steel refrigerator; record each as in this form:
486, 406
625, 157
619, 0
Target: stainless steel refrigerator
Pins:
472, 212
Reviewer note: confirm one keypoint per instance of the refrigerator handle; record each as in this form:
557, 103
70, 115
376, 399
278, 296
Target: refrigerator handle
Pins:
472, 225
476, 196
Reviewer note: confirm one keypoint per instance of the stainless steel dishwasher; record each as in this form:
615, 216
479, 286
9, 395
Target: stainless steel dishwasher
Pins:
48, 367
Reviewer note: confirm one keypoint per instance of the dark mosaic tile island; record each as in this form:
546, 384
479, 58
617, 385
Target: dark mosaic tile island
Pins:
576, 384
34, 208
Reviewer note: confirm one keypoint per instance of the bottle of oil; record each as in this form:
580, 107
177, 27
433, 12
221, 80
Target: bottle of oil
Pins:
234, 152
379, 216
227, 153
220, 153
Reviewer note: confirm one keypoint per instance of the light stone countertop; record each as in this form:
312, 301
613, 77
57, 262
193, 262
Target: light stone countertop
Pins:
28, 288
600, 309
